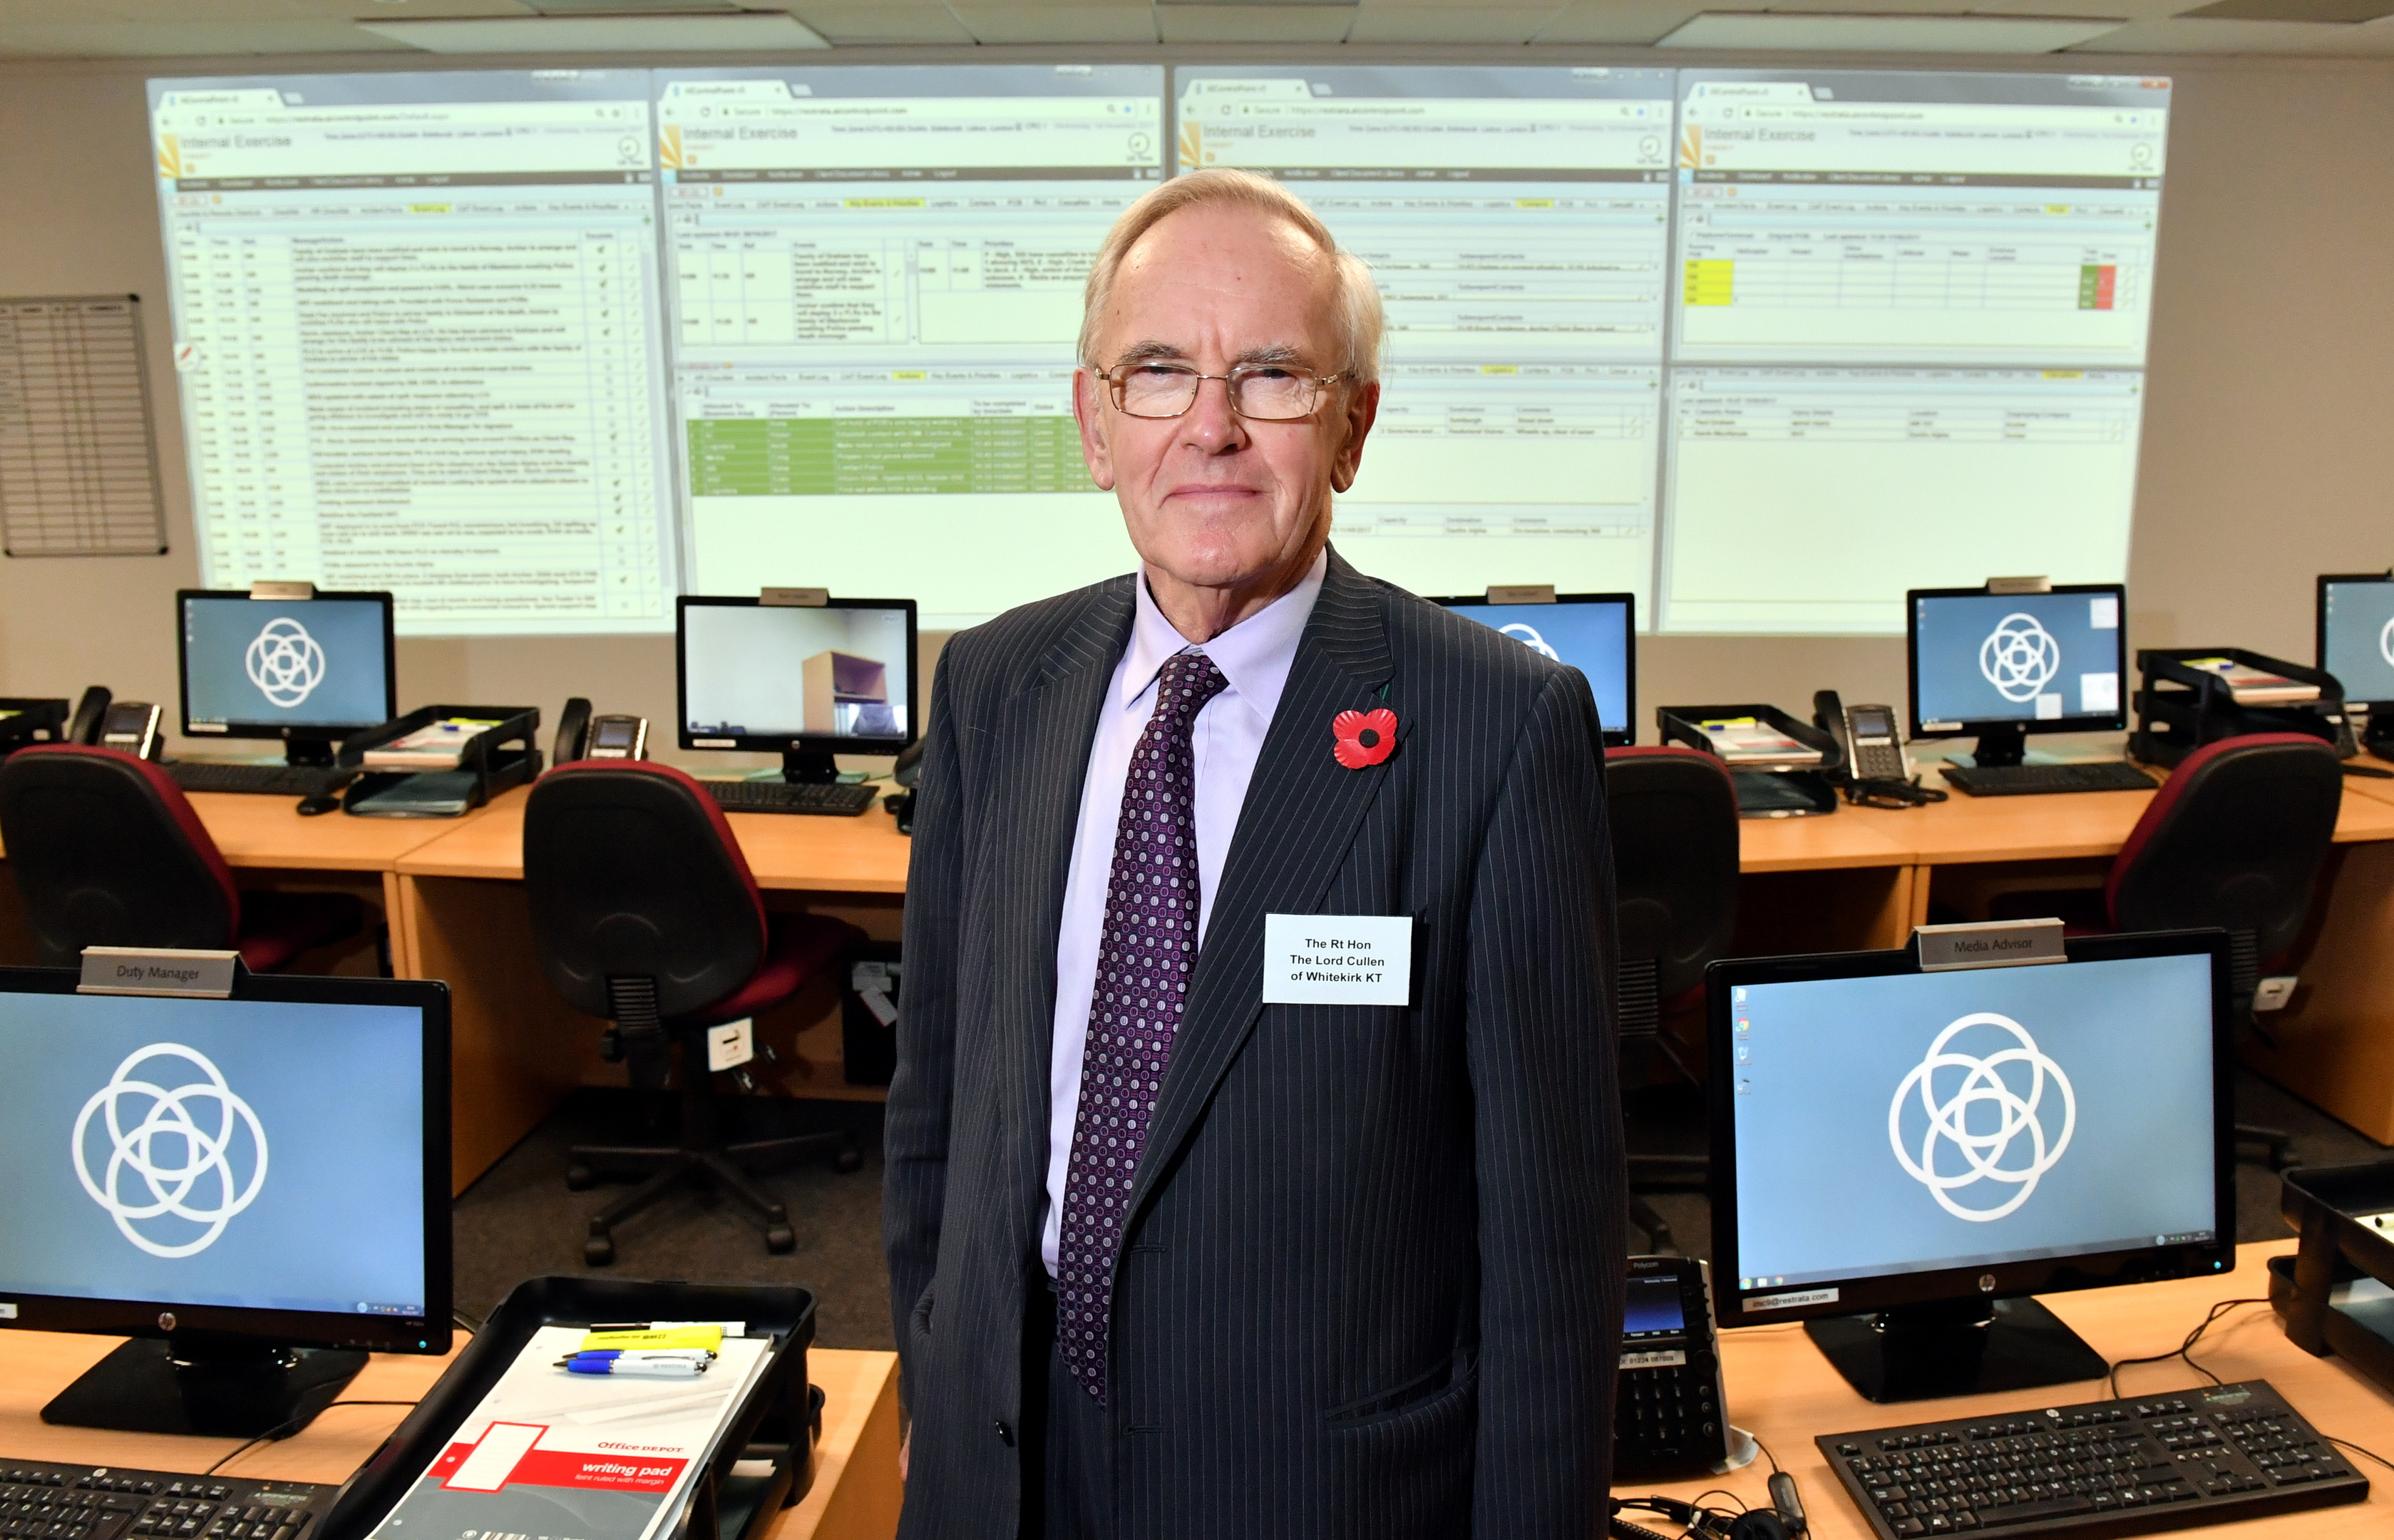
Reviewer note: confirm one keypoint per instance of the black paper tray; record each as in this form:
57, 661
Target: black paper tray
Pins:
2181, 708
1797, 791
492, 760
2324, 1205
773, 1432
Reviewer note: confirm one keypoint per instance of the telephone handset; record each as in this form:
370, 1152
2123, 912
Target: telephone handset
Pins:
1877, 766
573, 732
89, 713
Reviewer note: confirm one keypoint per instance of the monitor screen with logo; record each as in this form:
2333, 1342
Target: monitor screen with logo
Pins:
2356, 635
1896, 1135
1594, 633
277, 668
2051, 661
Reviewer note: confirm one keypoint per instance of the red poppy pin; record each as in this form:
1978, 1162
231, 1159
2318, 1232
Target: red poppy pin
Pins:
1365, 738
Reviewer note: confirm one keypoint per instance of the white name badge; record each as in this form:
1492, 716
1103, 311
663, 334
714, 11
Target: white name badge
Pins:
1339, 959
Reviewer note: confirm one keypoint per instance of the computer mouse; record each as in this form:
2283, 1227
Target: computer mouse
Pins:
316, 806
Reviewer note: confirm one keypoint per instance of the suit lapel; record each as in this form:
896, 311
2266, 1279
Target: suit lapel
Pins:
1041, 760
1301, 813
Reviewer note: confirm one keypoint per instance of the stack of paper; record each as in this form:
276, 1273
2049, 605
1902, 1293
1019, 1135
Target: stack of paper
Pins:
437, 746
552, 1451
2250, 686
1747, 741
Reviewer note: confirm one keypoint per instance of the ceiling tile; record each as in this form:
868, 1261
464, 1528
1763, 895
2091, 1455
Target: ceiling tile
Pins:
1616, 20
2131, 10
1021, 23
1929, 34
138, 39
2292, 10
855, 24
536, 35
1253, 23
1385, 23
2369, 39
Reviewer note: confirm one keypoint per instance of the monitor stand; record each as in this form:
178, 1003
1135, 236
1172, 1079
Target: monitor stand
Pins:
2000, 745
804, 765
308, 752
214, 1387
1965, 1348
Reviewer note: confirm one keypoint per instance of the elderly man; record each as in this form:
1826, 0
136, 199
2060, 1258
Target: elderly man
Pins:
1254, 1163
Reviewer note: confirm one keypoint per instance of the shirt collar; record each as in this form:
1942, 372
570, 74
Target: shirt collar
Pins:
1255, 655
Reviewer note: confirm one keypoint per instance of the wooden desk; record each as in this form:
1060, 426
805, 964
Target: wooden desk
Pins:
855, 1496
1783, 1390
518, 1049
268, 845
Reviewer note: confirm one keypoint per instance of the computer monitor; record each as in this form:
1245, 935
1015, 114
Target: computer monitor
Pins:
2005, 664
802, 681
1594, 633
309, 671
1900, 1158
2355, 637
255, 1190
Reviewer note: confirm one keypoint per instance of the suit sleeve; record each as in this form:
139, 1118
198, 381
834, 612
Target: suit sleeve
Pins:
916, 1133
1548, 1158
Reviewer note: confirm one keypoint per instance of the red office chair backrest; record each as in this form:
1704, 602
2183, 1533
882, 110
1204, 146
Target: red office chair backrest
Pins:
107, 851
632, 871
1674, 817
2235, 838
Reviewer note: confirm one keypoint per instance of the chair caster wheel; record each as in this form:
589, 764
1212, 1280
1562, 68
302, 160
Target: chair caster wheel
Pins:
599, 1251
580, 1178
848, 1161
780, 1240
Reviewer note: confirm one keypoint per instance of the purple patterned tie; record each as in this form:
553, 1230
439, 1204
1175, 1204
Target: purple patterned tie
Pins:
1144, 957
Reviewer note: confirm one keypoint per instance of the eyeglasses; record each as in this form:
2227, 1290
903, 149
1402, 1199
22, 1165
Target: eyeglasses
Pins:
1267, 393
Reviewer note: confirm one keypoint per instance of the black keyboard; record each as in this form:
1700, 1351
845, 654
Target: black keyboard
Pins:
2099, 1468
200, 775
43, 1501
838, 798
2099, 775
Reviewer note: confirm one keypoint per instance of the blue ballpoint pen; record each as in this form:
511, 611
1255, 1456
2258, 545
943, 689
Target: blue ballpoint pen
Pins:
672, 1364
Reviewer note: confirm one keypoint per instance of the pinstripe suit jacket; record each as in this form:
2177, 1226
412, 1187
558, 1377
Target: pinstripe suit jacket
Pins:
1372, 1281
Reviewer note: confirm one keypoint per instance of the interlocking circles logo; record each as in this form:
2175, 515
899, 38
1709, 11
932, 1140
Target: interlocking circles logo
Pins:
1526, 636
169, 1171
2386, 642
285, 663
2001, 1115
2019, 657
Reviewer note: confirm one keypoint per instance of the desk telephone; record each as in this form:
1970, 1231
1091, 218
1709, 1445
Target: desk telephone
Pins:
1878, 770
1669, 1417
581, 735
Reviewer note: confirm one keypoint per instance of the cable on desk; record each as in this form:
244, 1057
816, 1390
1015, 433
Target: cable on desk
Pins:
284, 1430
2111, 1379
2358, 1450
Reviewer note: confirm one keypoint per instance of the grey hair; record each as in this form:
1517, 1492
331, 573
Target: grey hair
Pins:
1358, 301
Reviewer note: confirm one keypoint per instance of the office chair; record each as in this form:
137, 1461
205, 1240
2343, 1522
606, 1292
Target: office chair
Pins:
107, 851
1674, 857
2235, 839
644, 912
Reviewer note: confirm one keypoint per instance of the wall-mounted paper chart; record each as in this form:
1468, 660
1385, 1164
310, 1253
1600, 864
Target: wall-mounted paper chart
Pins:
78, 471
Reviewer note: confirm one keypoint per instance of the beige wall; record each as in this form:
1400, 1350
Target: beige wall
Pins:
2267, 453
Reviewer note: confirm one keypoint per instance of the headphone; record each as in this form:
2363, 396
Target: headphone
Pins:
1783, 1520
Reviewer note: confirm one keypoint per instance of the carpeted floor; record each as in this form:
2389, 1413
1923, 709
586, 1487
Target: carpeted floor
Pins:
519, 1221
1668, 1119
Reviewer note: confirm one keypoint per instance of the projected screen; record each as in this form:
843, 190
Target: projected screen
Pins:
749, 671
2357, 637
1923, 1120
1973, 255
877, 290
260, 662
538, 351
417, 341
1592, 638
306, 1192
2014, 658
1517, 224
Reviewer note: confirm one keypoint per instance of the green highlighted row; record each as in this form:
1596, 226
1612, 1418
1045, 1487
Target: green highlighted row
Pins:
819, 457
